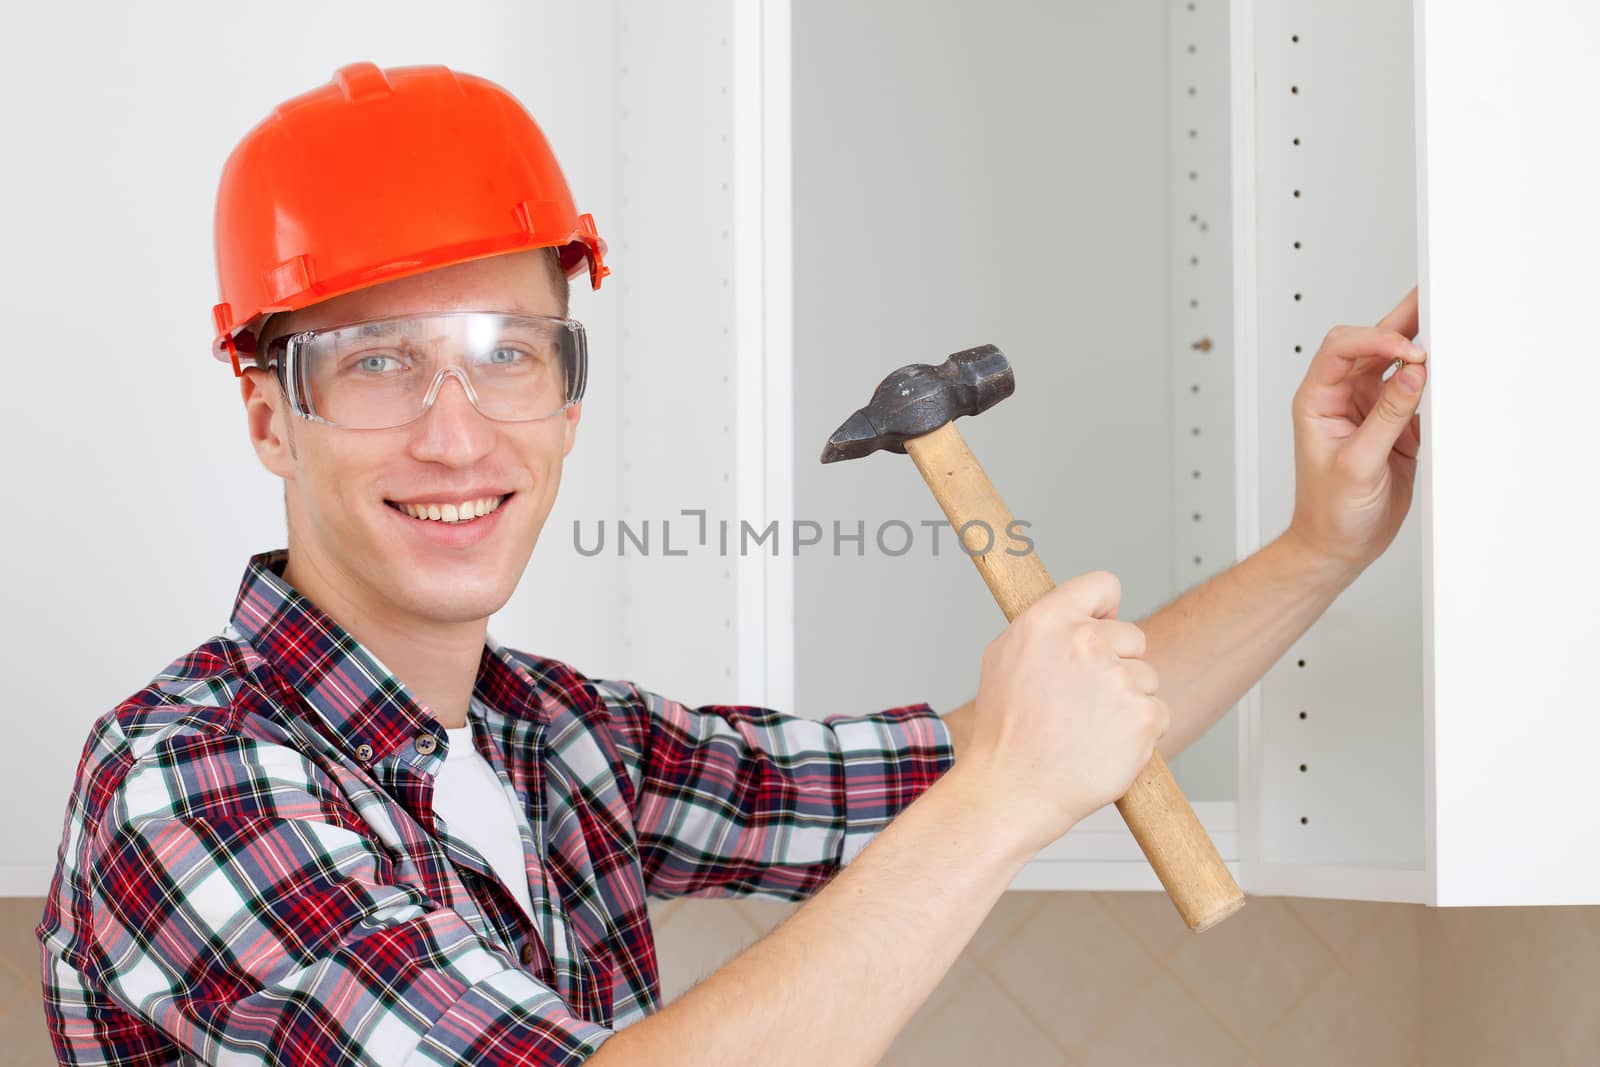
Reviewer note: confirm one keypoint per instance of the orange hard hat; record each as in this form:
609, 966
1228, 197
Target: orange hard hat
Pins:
377, 175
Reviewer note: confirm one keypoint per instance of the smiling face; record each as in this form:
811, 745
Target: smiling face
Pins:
351, 547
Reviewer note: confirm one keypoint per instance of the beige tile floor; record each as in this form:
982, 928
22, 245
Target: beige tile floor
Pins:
1114, 980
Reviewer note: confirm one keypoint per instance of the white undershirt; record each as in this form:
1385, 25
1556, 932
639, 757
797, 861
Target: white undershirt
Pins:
478, 811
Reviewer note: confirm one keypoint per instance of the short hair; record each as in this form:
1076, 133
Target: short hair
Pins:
559, 282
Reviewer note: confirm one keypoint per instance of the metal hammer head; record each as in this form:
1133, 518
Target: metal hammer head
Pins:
921, 398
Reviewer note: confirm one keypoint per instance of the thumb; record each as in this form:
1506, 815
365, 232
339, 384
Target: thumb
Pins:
1397, 403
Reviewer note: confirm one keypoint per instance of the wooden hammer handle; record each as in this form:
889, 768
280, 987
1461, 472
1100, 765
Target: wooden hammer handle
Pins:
1155, 809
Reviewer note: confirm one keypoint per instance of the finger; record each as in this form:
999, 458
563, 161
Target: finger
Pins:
1142, 678
1403, 319
1160, 719
1391, 415
1125, 638
1364, 397
1096, 594
1349, 348
1410, 440
1409, 443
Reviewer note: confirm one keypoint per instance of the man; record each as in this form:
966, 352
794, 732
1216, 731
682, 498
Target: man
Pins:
354, 828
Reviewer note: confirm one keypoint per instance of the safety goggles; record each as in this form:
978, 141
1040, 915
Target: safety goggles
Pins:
383, 373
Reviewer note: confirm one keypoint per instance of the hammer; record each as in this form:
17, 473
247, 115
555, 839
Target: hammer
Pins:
913, 411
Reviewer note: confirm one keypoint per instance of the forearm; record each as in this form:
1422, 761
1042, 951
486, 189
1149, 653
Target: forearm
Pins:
841, 976
1210, 645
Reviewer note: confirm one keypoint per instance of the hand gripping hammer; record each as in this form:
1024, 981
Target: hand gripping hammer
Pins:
913, 411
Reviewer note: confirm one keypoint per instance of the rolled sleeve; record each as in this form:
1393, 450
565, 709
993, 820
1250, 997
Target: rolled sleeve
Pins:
730, 800
506, 1017
888, 760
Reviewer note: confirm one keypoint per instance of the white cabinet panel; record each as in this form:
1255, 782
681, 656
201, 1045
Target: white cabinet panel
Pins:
1326, 211
1511, 223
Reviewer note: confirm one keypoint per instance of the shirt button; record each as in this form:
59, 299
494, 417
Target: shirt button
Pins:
363, 752
426, 743
527, 954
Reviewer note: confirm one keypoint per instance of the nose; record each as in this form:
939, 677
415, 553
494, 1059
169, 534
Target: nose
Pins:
451, 429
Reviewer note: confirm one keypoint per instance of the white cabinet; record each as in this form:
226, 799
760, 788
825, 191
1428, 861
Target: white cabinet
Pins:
1157, 211
1511, 578
1443, 707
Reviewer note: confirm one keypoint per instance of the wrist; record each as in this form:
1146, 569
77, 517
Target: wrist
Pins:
1304, 558
976, 806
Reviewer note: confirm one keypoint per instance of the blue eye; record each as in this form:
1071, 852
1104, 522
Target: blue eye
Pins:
510, 354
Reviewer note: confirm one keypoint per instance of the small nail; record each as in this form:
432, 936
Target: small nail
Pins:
1411, 379
1415, 351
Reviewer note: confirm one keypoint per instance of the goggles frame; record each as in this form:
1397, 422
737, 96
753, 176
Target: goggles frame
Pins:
285, 354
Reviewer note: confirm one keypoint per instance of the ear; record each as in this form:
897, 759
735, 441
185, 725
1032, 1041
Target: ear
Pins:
573, 414
267, 418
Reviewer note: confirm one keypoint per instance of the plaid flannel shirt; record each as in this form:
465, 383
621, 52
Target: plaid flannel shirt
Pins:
251, 870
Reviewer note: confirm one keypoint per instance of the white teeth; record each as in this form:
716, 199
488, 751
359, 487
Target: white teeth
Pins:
462, 512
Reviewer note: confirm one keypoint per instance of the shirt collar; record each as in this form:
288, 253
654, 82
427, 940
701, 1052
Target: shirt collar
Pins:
369, 710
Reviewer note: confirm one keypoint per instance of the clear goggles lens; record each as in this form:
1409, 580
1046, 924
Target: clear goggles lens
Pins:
387, 372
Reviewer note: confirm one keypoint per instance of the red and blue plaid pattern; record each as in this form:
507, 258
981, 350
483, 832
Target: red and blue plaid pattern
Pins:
251, 871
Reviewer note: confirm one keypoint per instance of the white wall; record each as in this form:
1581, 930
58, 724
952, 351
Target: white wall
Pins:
136, 497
